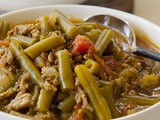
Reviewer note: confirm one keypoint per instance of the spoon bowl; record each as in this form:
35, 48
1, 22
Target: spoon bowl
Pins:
123, 27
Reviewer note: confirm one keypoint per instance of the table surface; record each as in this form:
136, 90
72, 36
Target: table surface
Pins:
124, 5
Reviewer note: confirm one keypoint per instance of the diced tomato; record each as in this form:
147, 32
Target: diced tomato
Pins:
78, 116
77, 106
81, 44
4, 42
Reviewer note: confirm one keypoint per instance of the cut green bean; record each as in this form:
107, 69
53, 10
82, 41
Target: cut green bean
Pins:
91, 88
61, 96
128, 72
93, 35
65, 71
87, 114
67, 26
109, 98
24, 41
103, 41
142, 100
93, 66
7, 79
67, 104
4, 29
149, 80
26, 64
36, 92
45, 27
44, 45
44, 100
66, 116
116, 51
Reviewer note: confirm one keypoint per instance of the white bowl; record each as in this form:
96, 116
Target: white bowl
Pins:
9, 5
140, 25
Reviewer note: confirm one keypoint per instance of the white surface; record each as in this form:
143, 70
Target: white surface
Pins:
139, 24
10, 5
148, 9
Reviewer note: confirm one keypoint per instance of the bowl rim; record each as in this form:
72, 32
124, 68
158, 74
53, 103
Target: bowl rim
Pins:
129, 117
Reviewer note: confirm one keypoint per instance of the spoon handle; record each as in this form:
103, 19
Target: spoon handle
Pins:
147, 53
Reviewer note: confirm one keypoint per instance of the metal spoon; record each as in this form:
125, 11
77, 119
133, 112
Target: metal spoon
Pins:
126, 30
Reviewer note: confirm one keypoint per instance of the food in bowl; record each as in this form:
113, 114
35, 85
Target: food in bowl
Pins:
56, 68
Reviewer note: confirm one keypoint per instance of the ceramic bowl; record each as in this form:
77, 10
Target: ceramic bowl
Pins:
9, 5
141, 26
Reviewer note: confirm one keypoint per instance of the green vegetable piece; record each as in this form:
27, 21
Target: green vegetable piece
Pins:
103, 41
142, 100
4, 29
93, 66
67, 104
67, 26
109, 98
24, 41
45, 26
95, 96
7, 79
44, 45
44, 100
26, 64
65, 71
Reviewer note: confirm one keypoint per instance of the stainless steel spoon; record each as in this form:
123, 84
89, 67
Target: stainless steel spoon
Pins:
126, 30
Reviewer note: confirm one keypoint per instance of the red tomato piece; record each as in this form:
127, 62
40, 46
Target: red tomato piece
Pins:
81, 44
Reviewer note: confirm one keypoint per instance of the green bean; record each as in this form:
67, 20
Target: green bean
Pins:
149, 80
93, 66
116, 51
128, 72
93, 35
26, 64
67, 104
65, 116
95, 96
142, 100
87, 24
44, 46
61, 96
103, 41
44, 100
109, 98
45, 27
65, 71
7, 79
12, 112
35, 95
106, 83
67, 26
4, 29
88, 115
36, 92
86, 27
24, 41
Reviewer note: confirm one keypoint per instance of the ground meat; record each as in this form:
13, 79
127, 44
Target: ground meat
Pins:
6, 56
8, 93
45, 116
23, 82
82, 98
21, 101
35, 33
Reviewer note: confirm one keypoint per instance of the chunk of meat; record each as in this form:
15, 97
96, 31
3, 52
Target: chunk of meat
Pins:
82, 98
21, 101
6, 56
8, 93
45, 116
